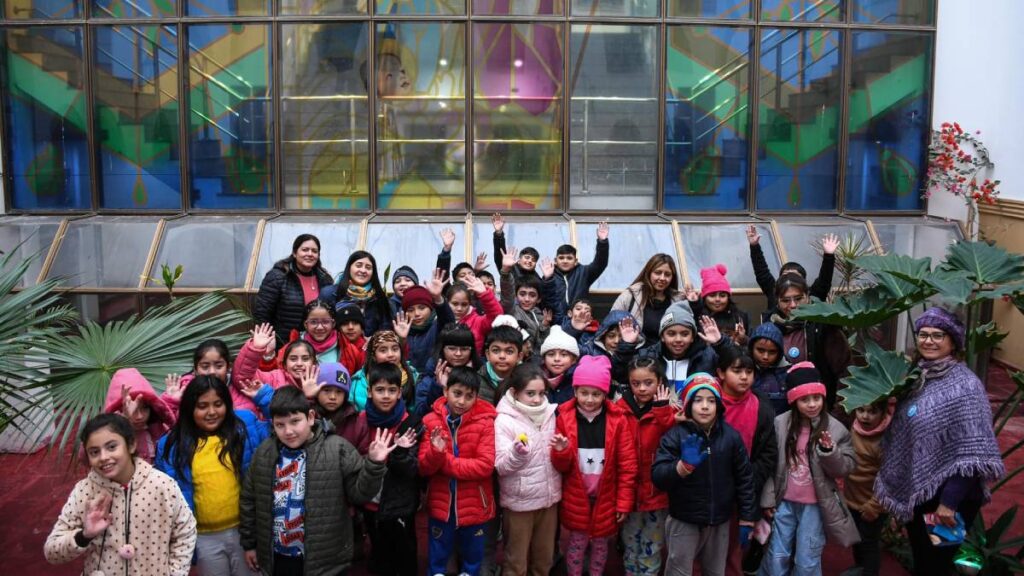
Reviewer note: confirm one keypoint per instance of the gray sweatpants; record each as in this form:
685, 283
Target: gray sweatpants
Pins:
689, 542
221, 554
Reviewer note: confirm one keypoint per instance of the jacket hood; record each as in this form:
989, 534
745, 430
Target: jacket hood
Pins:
137, 386
766, 331
611, 321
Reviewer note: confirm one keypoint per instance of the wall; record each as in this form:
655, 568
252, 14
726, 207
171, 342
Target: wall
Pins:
1004, 224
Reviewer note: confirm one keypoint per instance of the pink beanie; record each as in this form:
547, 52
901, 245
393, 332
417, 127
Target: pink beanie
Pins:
593, 371
713, 280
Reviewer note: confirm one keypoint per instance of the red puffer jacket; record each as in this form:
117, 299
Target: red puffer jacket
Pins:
646, 433
616, 491
472, 468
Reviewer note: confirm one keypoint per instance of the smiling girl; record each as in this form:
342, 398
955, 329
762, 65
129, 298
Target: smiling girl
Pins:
384, 347
716, 302
297, 359
653, 290
360, 285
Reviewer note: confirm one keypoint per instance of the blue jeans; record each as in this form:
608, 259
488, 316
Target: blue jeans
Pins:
798, 537
444, 536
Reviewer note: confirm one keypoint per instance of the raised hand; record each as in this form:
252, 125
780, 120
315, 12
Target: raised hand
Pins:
709, 330
752, 236
437, 440
825, 441
402, 324
407, 440
448, 239
628, 331
692, 451
602, 230
508, 258
382, 445
547, 267
441, 374
475, 285
559, 442
311, 382
250, 387
97, 516
172, 387
498, 222
129, 406
436, 285
662, 394
692, 294
481, 262
829, 243
262, 336
548, 317
580, 318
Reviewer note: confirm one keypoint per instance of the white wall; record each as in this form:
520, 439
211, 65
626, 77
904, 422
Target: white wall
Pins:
979, 83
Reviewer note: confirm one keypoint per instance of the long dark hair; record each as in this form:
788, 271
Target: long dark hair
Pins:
785, 283
458, 335
644, 278
185, 435
796, 422
289, 262
211, 344
380, 300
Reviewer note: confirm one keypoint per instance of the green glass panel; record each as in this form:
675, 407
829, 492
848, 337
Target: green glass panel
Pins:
802, 10
725, 9
322, 7
421, 7
902, 12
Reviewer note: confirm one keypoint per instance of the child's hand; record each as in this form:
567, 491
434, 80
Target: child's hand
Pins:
602, 230
752, 236
407, 440
579, 319
521, 447
475, 285
441, 374
692, 451
746, 531
769, 513
709, 331
436, 286
627, 331
508, 258
498, 222
97, 516
437, 440
250, 388
620, 517
692, 294
382, 445
402, 324
547, 267
825, 441
310, 382
448, 239
740, 335
559, 442
172, 387
481, 262
547, 318
262, 336
251, 561
662, 394
829, 243
129, 406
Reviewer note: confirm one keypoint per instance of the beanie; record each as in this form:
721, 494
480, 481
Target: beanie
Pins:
417, 295
593, 371
348, 312
334, 374
511, 322
404, 272
943, 320
713, 280
803, 379
558, 340
699, 381
678, 313
766, 331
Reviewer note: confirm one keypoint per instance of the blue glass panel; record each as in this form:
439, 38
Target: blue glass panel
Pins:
421, 7
726, 9
227, 7
906, 12
134, 8
802, 10
42, 9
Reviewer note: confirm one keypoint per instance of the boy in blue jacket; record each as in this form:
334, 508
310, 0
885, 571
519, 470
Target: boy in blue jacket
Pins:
426, 314
569, 280
770, 365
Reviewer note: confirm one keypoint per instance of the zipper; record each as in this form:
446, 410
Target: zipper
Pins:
839, 501
711, 477
483, 497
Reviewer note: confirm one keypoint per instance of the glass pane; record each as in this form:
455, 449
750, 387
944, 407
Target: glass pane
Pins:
543, 234
103, 308
421, 135
136, 95
631, 244
707, 244
517, 7
801, 84
890, 92
338, 237
614, 126
325, 116
214, 251
803, 242
802, 10
917, 240
422, 6
322, 7
707, 118
710, 8
231, 152
517, 97
413, 244
43, 95
28, 237
906, 12
104, 252
615, 7
227, 8
42, 9
134, 8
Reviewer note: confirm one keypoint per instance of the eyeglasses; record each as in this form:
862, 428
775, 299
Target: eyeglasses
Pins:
936, 337
320, 323
792, 300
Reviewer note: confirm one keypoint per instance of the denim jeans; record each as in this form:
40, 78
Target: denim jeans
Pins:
798, 537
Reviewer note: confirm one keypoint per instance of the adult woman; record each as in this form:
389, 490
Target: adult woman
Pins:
939, 450
653, 290
822, 344
359, 284
289, 286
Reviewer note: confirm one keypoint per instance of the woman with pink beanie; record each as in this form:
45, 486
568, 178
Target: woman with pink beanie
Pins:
715, 302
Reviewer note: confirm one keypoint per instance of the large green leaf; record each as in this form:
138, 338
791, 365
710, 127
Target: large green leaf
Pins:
900, 275
862, 309
984, 337
952, 286
885, 374
985, 263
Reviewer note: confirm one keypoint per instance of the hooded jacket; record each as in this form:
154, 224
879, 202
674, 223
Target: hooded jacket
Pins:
530, 320
158, 521
646, 427
565, 287
631, 300
161, 415
528, 481
700, 356
246, 368
422, 339
771, 382
280, 300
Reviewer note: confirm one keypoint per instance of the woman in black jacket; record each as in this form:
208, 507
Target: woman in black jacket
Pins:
289, 285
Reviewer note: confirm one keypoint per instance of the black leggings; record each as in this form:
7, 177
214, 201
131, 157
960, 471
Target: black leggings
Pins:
868, 552
932, 560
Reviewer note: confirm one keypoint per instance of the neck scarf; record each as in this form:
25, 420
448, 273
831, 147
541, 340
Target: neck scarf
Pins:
377, 419
590, 414
931, 369
358, 293
329, 343
495, 380
741, 414
877, 430
418, 328
536, 414
637, 409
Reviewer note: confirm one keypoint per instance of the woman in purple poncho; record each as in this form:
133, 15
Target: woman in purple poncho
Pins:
940, 450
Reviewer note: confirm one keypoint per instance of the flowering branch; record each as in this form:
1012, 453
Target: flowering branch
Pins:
955, 158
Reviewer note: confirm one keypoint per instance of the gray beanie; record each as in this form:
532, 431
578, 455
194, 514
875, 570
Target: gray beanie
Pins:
678, 313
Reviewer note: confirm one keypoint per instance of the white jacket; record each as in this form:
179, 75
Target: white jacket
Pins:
528, 481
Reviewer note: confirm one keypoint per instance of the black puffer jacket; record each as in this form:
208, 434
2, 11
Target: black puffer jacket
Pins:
400, 496
280, 300
336, 476
764, 452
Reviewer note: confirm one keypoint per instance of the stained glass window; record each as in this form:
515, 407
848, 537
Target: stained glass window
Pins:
42, 9
517, 7
227, 7
422, 7
731, 9
802, 10
615, 8
134, 8
900, 12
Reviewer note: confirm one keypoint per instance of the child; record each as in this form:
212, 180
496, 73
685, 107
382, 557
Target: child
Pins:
488, 279
503, 350
156, 537
320, 332
458, 462
530, 486
752, 416
131, 395
391, 515
801, 496
716, 302
525, 264
207, 453
424, 312
645, 401
211, 357
822, 285
580, 323
455, 347
869, 424
559, 354
349, 319
521, 298
298, 358
605, 342
384, 347
594, 451
703, 466
770, 365
297, 483
332, 404
403, 279
570, 280
465, 313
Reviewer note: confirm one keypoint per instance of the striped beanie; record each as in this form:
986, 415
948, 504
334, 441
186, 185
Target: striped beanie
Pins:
698, 381
803, 379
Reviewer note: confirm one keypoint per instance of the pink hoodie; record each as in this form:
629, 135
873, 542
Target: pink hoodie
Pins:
480, 324
247, 367
161, 419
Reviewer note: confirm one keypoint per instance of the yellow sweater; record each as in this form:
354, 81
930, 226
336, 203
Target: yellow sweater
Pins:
216, 488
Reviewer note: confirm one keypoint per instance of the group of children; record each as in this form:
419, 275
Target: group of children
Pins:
520, 421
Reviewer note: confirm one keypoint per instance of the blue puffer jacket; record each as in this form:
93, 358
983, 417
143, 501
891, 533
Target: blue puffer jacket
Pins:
771, 382
421, 340
427, 390
255, 432
562, 289
374, 318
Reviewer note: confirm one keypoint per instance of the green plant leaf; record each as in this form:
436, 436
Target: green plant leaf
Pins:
885, 374
985, 337
862, 309
952, 286
1001, 524
985, 263
901, 275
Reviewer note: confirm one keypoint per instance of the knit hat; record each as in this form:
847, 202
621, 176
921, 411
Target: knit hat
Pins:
511, 322
713, 280
417, 295
943, 320
404, 272
698, 381
558, 340
803, 379
678, 313
766, 331
593, 371
334, 374
349, 313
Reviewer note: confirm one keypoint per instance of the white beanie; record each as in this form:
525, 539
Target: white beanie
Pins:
558, 340
511, 322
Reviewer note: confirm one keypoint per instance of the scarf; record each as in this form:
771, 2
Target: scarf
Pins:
377, 419
419, 328
637, 409
931, 369
741, 414
495, 380
890, 409
320, 347
358, 293
536, 414
941, 430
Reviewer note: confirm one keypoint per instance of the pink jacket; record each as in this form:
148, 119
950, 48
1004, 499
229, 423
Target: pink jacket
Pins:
528, 481
247, 367
480, 324
162, 417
